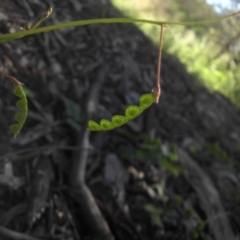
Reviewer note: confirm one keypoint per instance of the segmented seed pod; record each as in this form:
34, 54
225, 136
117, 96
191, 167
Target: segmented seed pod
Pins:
118, 120
131, 112
22, 105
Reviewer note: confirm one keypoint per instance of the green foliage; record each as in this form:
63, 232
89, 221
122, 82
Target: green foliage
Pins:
216, 151
178, 199
167, 213
197, 224
157, 153
131, 112
198, 54
154, 213
211, 53
22, 105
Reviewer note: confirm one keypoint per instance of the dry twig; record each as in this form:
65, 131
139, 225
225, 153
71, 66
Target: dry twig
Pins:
87, 203
8, 234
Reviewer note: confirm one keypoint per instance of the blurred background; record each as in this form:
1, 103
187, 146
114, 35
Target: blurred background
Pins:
210, 52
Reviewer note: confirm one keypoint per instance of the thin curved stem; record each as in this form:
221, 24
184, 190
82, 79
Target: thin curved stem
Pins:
11, 36
157, 91
43, 18
12, 79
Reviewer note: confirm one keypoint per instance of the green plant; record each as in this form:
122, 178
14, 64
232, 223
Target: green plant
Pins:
132, 111
156, 153
216, 150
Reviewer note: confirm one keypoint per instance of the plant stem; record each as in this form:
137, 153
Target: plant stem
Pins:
12, 36
43, 18
12, 79
157, 91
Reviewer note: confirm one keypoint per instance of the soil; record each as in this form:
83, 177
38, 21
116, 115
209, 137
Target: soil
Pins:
172, 173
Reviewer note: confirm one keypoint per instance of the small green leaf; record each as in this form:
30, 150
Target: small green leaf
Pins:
118, 120
93, 126
132, 112
106, 125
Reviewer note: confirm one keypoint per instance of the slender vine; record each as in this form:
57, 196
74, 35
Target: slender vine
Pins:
131, 112
11, 36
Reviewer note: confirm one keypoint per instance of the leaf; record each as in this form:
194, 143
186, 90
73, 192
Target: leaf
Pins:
118, 120
132, 112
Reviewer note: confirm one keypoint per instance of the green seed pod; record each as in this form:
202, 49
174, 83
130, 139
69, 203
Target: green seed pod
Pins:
146, 100
21, 105
20, 117
131, 112
106, 125
19, 92
118, 120
93, 126
15, 129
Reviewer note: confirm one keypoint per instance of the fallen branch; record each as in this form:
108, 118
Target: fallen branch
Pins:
87, 203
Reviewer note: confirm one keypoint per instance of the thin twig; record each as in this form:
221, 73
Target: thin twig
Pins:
30, 152
157, 90
85, 198
8, 234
